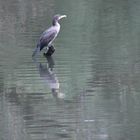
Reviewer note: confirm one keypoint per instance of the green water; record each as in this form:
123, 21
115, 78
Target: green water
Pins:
89, 89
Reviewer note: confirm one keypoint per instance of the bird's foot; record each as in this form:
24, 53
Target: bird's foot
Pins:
49, 51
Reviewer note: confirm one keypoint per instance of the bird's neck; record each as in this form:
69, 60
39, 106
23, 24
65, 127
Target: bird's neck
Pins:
55, 23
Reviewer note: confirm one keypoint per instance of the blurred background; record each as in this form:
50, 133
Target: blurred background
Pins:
89, 89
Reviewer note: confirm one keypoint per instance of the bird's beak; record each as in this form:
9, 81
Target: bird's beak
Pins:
62, 16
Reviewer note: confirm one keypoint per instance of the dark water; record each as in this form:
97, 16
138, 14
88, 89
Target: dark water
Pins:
89, 89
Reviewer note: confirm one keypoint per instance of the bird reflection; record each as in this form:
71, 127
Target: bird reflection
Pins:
47, 73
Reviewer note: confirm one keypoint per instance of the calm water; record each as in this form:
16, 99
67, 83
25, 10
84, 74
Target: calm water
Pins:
89, 89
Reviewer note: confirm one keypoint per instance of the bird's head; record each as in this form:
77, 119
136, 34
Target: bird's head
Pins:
57, 17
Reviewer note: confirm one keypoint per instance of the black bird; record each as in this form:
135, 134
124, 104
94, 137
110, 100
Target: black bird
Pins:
48, 36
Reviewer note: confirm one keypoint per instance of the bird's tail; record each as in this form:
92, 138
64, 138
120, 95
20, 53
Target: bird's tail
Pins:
36, 51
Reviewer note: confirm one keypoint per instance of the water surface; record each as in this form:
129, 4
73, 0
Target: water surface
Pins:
89, 89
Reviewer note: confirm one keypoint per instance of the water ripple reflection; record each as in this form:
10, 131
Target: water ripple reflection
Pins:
47, 74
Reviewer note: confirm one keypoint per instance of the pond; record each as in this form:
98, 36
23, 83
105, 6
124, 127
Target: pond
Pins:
90, 87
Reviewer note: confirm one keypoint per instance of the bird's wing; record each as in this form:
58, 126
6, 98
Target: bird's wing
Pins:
47, 37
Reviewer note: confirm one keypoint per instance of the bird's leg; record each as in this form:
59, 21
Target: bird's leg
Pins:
50, 50
46, 50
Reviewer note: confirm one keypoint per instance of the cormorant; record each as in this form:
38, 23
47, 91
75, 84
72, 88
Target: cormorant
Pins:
48, 36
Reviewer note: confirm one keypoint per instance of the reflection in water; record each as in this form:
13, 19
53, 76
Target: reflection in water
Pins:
47, 73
